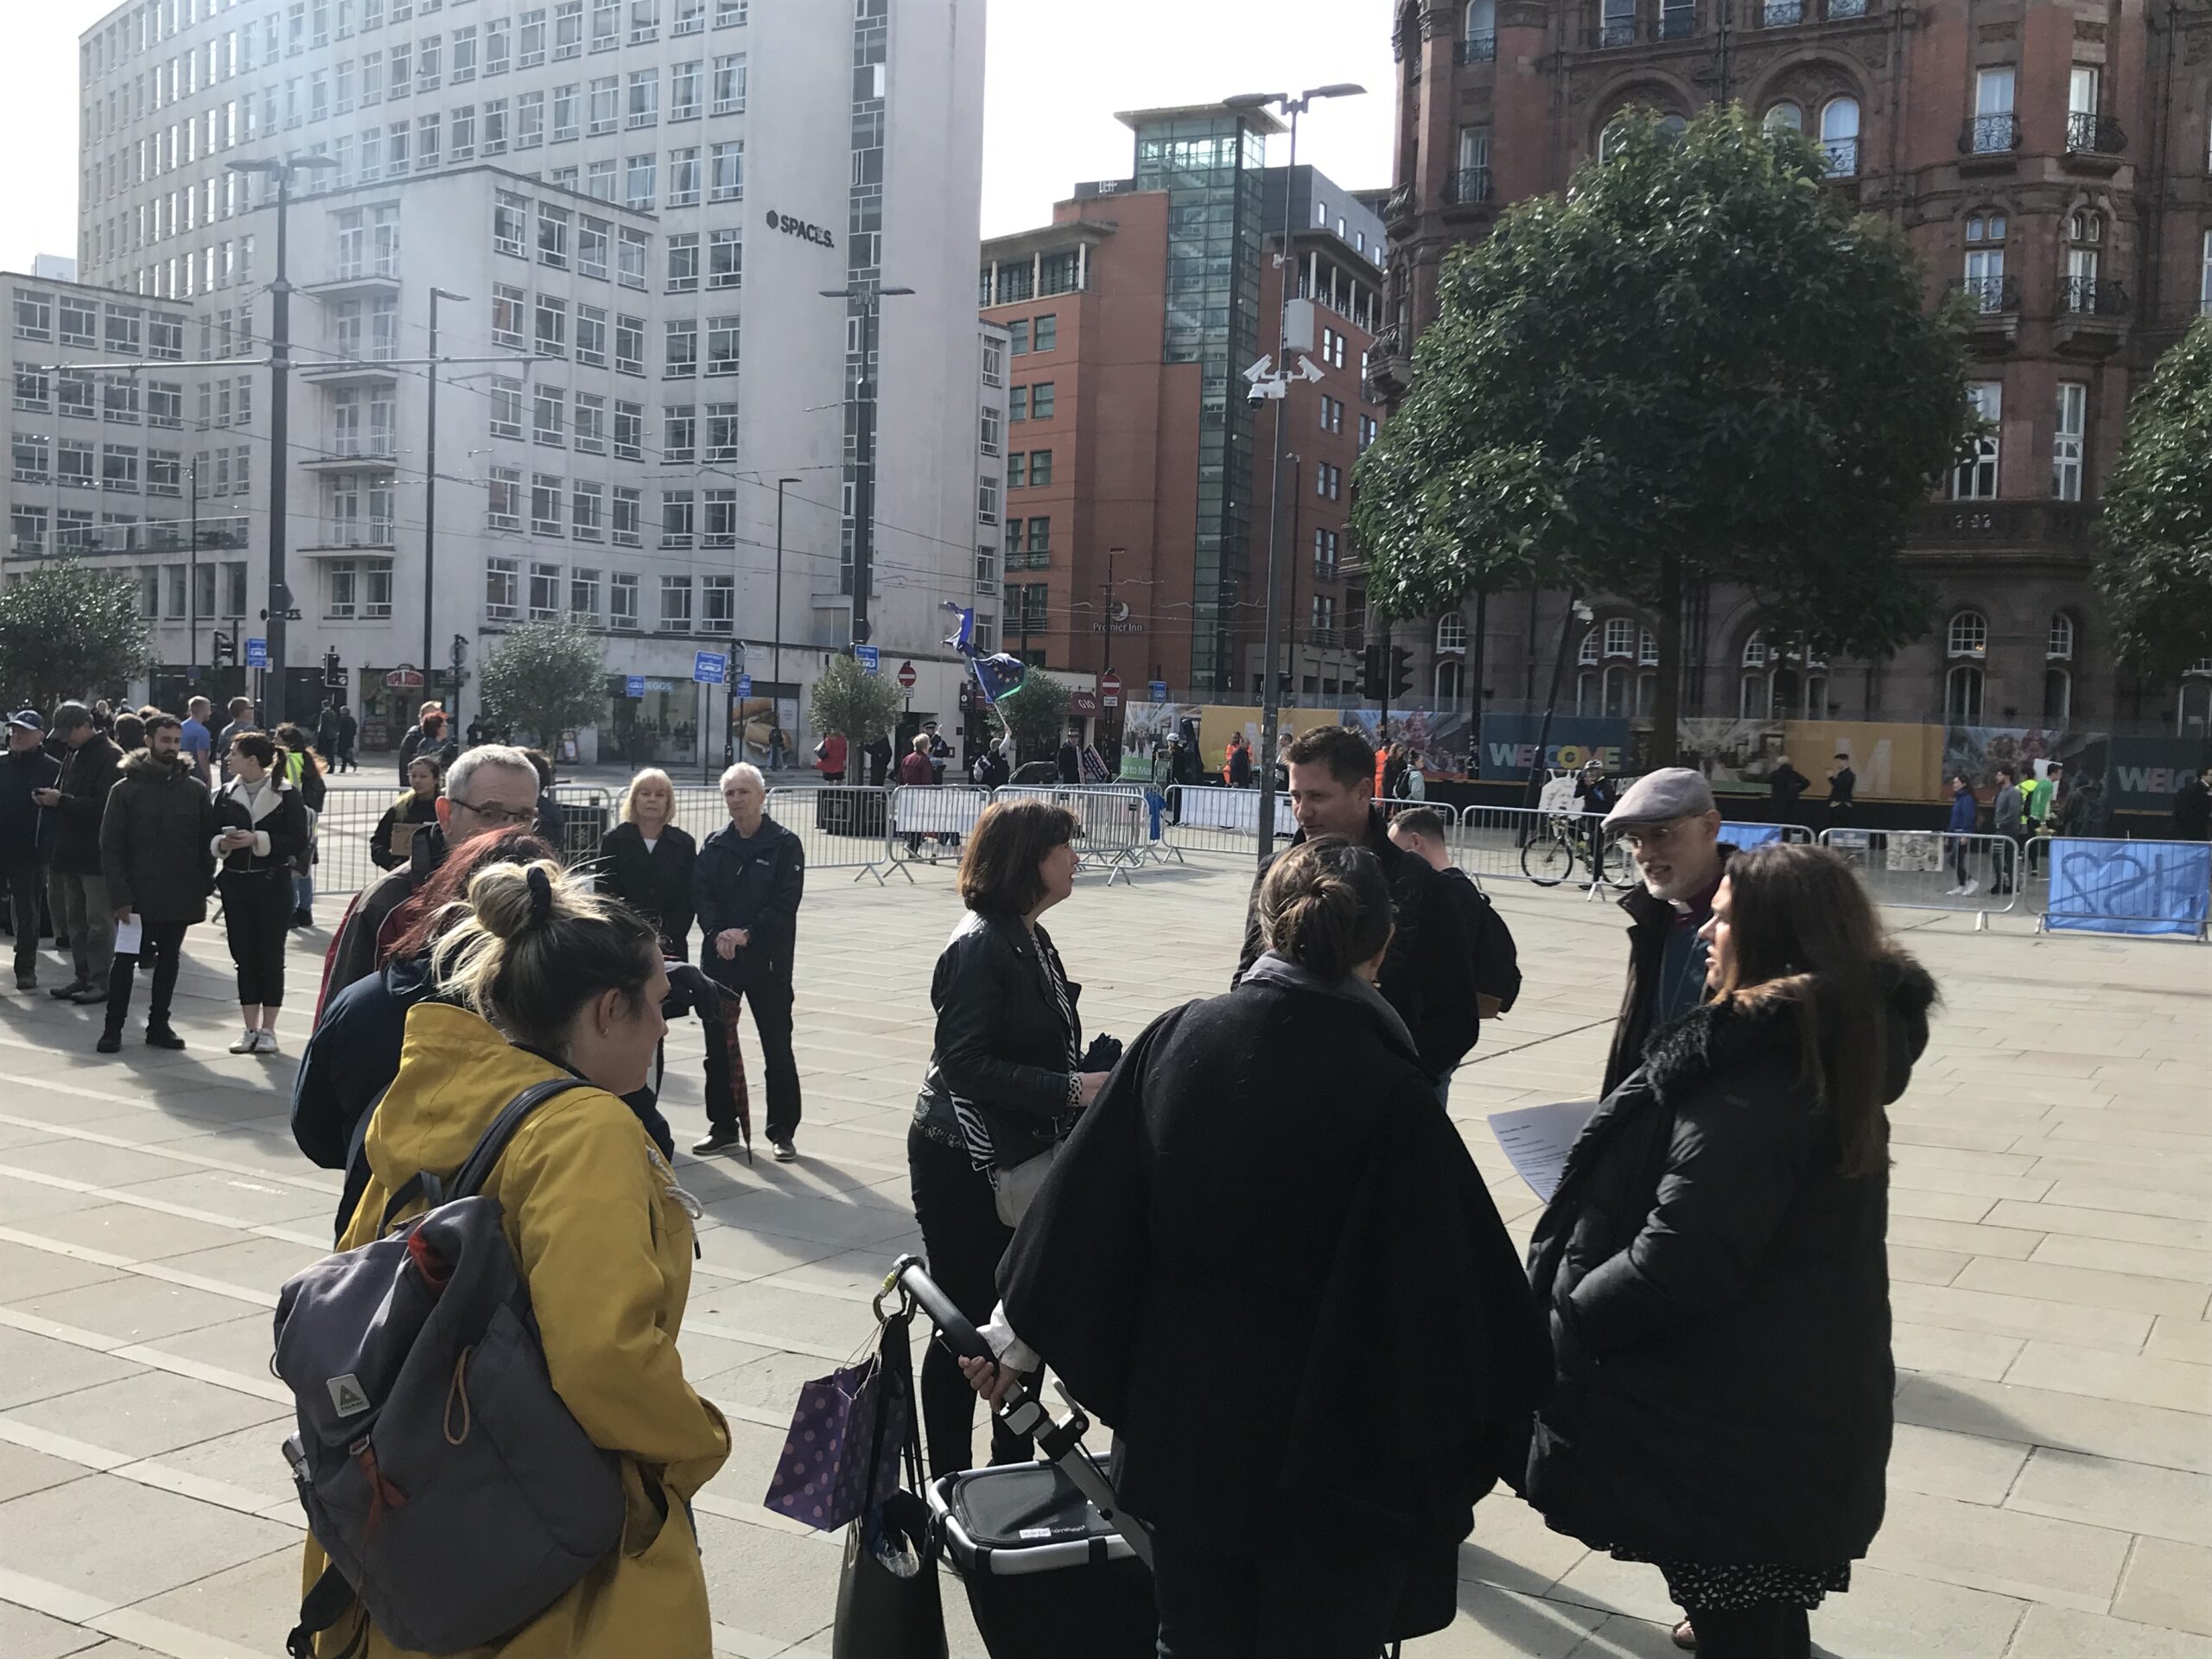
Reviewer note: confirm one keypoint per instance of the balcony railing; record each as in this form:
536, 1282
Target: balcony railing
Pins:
1990, 135
1615, 32
1990, 297
2092, 297
1842, 157
1478, 47
1839, 8
1467, 187
1781, 13
2093, 135
1388, 342
356, 532
1677, 22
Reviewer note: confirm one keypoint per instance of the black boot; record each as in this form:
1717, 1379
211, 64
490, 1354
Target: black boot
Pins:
159, 1035
111, 1041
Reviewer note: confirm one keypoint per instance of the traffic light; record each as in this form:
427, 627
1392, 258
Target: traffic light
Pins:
1402, 671
226, 650
1370, 674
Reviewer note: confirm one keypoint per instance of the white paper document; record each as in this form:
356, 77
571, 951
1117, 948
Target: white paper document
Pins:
129, 937
1536, 1139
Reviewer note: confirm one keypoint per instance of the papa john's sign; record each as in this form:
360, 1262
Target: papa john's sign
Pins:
799, 228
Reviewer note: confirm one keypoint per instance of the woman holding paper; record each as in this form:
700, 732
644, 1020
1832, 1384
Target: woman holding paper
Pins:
418, 806
1714, 1267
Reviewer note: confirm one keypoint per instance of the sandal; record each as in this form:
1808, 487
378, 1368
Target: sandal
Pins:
1685, 1638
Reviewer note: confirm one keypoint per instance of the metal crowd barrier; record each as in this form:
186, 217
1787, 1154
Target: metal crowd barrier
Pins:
841, 826
1114, 819
343, 833
1205, 819
927, 822
587, 814
1932, 869
1744, 835
2102, 885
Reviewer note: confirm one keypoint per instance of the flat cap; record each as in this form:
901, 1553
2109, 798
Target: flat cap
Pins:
1671, 792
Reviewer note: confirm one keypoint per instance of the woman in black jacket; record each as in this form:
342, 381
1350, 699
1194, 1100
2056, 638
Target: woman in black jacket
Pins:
1266, 1258
1715, 1273
1004, 1081
646, 860
260, 827
418, 805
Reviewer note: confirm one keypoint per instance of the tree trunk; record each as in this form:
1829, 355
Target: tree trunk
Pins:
1666, 706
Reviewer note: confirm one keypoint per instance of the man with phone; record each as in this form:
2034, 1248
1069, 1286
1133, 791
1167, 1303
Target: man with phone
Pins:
154, 854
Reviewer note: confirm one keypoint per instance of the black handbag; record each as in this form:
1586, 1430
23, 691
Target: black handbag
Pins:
888, 1602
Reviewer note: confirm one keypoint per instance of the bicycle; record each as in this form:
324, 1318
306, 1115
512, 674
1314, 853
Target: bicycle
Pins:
1549, 857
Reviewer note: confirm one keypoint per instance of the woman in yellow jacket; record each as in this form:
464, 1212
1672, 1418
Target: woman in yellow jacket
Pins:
554, 980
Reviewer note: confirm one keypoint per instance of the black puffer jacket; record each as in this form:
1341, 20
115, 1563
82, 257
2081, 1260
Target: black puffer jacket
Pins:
1002, 1044
154, 841
654, 882
1719, 1300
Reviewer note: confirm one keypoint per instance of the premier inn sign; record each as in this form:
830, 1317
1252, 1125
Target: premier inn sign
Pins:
800, 228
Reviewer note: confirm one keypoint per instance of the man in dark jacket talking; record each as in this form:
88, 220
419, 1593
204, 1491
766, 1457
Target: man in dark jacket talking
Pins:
1428, 973
79, 800
748, 879
1673, 829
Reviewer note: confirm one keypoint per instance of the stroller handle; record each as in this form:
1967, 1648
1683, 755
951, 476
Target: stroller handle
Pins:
908, 1275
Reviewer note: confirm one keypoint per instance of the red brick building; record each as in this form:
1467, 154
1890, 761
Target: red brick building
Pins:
2052, 159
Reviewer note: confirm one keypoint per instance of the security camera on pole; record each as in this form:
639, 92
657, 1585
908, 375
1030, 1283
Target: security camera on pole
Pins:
1269, 384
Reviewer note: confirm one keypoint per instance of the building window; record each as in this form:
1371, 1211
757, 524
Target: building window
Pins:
1839, 136
1962, 695
1993, 128
1616, 23
546, 517
1985, 230
727, 180
502, 589
679, 434
680, 350
1017, 470
1976, 477
677, 511
726, 259
1326, 545
1041, 401
1040, 466
718, 597
544, 592
1045, 332
683, 263
552, 326
1968, 636
729, 85
986, 501
721, 345
622, 601
503, 500
2059, 646
1452, 631
2066, 442
506, 407
552, 236
1785, 117
587, 510
722, 432
1620, 637
2085, 235
994, 353
638, 179
676, 604
583, 596
988, 438
627, 513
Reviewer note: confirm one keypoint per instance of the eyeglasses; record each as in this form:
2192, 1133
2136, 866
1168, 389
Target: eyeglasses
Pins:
1651, 835
499, 815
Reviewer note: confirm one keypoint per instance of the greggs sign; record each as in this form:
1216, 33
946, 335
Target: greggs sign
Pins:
800, 228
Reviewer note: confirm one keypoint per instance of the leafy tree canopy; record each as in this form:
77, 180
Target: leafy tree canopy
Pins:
2155, 528
862, 706
70, 630
546, 678
1693, 367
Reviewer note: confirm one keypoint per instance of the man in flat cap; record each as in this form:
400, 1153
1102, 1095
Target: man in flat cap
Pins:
1672, 829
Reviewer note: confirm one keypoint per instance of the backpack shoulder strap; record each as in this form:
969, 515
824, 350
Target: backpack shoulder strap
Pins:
476, 1168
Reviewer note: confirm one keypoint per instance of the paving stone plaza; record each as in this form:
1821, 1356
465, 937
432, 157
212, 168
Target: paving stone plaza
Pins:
2051, 1492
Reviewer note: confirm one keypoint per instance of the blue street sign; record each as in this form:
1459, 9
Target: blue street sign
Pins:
745, 685
869, 658
1159, 690
257, 653
708, 666
633, 685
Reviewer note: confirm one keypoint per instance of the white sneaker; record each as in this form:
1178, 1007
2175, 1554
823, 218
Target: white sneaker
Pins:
265, 1042
1970, 889
1952, 893
248, 1044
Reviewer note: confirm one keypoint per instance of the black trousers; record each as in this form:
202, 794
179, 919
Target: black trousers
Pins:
963, 1239
1297, 1597
257, 915
1769, 1631
26, 887
162, 949
772, 1018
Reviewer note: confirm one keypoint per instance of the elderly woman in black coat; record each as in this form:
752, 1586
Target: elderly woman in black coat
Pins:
1266, 1258
646, 860
1715, 1275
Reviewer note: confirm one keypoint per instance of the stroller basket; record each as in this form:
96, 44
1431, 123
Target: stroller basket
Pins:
1046, 1574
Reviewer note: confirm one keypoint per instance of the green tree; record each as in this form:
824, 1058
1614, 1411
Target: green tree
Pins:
862, 706
68, 629
1036, 714
1692, 368
2155, 528
546, 678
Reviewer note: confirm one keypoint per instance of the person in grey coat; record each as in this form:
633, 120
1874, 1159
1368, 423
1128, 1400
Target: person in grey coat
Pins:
2009, 821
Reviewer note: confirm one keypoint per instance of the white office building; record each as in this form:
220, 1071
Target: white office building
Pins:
630, 209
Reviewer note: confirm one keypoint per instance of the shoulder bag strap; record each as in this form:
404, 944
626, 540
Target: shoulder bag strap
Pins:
476, 1168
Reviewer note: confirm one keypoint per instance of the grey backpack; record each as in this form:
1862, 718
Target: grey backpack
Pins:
453, 1493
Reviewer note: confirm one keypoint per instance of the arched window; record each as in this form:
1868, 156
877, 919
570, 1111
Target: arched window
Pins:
1672, 125
2060, 648
1586, 691
1480, 36
1968, 635
1755, 651
1620, 637
1985, 269
1618, 688
2193, 712
2058, 693
1647, 648
1451, 678
1588, 653
1452, 631
1839, 136
1785, 117
1962, 695
2085, 236
1647, 695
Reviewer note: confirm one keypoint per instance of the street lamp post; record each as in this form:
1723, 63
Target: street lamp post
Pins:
192, 586
870, 298
776, 627
280, 372
1271, 637
430, 506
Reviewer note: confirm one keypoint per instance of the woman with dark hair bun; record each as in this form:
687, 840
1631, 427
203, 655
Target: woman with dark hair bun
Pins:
549, 981
1715, 1267
1265, 1257
261, 828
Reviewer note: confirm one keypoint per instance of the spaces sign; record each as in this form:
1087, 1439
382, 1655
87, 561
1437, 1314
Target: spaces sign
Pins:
798, 227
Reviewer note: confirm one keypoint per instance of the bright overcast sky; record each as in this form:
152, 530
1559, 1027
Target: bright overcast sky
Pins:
1058, 72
